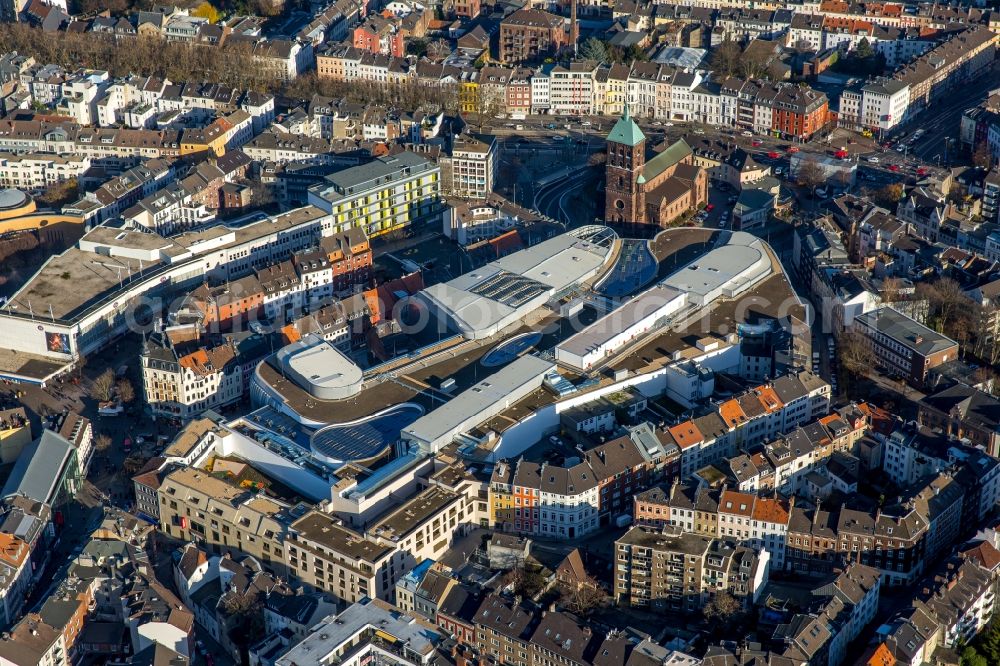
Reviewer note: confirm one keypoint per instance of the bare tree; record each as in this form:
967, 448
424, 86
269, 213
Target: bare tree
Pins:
485, 102
524, 579
584, 597
810, 174
982, 157
125, 391
103, 388
723, 607
238, 603
133, 463
892, 290
857, 357
102, 443
726, 58
986, 377
951, 311
754, 64
888, 196
438, 49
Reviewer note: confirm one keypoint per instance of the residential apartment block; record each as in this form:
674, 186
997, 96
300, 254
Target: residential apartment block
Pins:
682, 571
387, 194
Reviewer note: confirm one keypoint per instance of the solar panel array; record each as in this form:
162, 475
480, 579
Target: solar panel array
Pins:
510, 289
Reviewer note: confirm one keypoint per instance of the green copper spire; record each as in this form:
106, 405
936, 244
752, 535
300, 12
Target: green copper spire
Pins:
626, 131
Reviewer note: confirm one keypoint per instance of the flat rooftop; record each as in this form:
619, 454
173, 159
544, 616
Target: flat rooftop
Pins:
733, 265
622, 318
21, 364
378, 172
491, 391
320, 368
75, 281
509, 287
69, 282
687, 543
399, 523
337, 631
764, 300
322, 529
457, 362
115, 237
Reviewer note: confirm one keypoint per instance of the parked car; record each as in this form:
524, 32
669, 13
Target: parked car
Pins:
747, 133
873, 160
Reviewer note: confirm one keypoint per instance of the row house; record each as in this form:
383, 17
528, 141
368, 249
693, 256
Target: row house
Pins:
189, 202
34, 172
757, 522
284, 286
954, 63
552, 500
182, 384
168, 211
952, 606
750, 419
648, 89
350, 257
878, 105
746, 25
571, 88
518, 94
652, 90
914, 453
508, 633
846, 33
790, 460
901, 540
285, 59
114, 197
379, 35
799, 113
281, 148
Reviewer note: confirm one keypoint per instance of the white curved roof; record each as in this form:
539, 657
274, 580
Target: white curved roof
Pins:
10, 198
726, 270
487, 298
320, 368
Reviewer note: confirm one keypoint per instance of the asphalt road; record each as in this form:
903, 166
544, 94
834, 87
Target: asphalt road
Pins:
941, 121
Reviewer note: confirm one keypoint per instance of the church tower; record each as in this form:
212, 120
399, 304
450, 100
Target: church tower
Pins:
625, 200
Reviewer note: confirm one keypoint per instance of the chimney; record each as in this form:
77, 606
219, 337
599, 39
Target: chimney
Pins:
573, 28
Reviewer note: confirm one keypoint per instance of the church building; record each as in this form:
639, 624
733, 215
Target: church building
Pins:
655, 191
